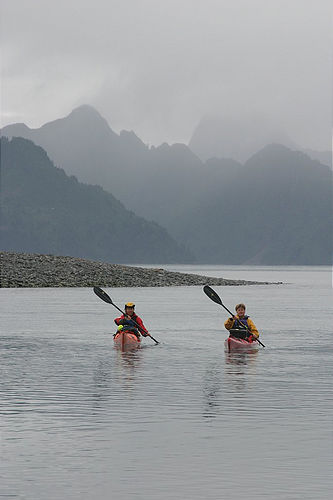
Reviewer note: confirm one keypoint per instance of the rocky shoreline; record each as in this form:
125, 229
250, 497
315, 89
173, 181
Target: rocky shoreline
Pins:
39, 271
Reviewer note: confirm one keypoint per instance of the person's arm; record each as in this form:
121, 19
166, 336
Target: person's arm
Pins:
229, 323
252, 327
124, 320
142, 328
120, 320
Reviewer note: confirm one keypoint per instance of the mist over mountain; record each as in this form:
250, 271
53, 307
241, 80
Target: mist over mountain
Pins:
45, 211
226, 137
276, 208
324, 157
73, 142
84, 145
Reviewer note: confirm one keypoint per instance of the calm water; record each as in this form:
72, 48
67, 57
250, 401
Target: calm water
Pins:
180, 420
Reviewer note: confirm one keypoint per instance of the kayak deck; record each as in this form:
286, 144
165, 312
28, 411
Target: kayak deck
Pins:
126, 340
235, 344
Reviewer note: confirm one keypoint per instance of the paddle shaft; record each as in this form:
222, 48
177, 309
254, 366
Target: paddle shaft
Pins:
215, 298
240, 321
104, 296
140, 328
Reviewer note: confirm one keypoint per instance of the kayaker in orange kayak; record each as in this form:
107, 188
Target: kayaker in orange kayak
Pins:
127, 321
242, 319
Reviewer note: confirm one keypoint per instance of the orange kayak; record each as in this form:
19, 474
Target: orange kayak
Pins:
235, 344
126, 340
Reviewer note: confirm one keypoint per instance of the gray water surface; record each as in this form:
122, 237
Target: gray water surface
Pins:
178, 420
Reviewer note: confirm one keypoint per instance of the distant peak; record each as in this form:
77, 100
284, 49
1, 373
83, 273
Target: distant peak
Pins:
278, 152
163, 147
89, 116
128, 136
275, 146
18, 127
85, 109
129, 133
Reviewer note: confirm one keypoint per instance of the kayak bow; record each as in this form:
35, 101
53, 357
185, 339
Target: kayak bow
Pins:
126, 340
235, 344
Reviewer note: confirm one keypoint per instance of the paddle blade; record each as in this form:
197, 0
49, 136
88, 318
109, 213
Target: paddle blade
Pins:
102, 295
212, 294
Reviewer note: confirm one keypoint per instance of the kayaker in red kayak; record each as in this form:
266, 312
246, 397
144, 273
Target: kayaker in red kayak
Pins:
242, 319
127, 321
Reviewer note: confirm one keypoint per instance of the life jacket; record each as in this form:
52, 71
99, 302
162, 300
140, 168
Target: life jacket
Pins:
239, 331
130, 326
238, 323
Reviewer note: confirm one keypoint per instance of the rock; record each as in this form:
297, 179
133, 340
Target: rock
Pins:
35, 271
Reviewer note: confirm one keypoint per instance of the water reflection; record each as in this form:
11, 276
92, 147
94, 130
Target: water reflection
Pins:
212, 388
126, 365
114, 380
128, 360
224, 382
240, 358
240, 368
102, 381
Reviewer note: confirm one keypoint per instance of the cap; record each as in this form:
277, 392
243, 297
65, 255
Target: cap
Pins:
130, 304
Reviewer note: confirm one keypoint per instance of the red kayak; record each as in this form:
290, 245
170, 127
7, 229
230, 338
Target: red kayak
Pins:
126, 340
235, 344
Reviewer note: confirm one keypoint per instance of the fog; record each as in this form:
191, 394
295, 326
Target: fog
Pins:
159, 67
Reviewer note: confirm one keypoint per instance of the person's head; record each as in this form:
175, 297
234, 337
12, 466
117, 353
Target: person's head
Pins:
240, 309
129, 308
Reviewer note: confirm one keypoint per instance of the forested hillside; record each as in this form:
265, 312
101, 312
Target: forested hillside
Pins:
45, 211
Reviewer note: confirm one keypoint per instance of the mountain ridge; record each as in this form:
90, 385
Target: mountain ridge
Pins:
200, 202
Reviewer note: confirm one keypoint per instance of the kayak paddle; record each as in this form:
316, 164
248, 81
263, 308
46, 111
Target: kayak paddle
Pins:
104, 296
215, 298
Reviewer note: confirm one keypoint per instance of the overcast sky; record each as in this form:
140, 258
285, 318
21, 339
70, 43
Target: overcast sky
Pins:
157, 67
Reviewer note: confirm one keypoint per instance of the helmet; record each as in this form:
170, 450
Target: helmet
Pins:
129, 304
